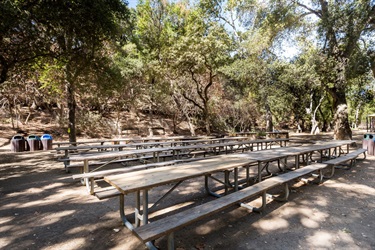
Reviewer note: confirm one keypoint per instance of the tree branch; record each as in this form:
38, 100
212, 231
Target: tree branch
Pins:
315, 12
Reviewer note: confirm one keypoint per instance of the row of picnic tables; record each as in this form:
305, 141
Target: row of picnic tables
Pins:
174, 149
143, 181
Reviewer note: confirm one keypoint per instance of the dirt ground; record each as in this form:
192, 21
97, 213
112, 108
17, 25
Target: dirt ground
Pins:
42, 207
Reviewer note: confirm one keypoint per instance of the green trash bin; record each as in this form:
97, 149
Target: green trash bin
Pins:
34, 142
18, 143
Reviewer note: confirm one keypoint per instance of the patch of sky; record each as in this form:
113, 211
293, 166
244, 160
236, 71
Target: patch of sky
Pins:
132, 3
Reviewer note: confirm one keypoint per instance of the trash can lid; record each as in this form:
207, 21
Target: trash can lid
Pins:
18, 137
47, 136
33, 137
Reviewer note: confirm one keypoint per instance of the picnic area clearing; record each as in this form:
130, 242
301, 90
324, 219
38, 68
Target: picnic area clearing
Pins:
42, 207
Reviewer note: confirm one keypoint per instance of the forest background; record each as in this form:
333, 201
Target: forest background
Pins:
217, 66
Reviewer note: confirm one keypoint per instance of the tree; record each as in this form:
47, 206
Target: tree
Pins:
196, 58
21, 41
341, 27
77, 32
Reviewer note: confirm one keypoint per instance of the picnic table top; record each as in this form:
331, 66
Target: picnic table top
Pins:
146, 179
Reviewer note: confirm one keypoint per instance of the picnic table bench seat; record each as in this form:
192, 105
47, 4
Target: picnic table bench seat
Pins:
168, 225
352, 157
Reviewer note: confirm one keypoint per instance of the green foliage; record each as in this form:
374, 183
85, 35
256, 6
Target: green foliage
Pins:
211, 62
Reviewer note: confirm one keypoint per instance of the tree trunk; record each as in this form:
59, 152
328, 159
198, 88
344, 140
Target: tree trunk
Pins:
191, 126
207, 124
356, 119
342, 129
269, 124
72, 105
314, 123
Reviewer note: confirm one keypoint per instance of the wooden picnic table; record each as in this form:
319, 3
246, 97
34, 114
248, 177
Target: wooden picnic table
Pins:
263, 157
175, 152
86, 148
148, 144
143, 181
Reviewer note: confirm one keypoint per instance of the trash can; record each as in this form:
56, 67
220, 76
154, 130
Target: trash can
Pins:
371, 144
18, 143
34, 142
46, 142
365, 140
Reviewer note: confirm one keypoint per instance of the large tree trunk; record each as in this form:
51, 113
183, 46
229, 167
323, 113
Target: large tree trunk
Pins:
72, 105
342, 129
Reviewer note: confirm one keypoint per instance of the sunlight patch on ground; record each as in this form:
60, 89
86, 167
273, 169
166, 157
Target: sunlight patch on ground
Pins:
4, 220
326, 240
203, 229
321, 202
307, 212
352, 187
54, 218
33, 204
77, 243
310, 223
5, 229
76, 230
320, 240
272, 224
54, 185
4, 241
170, 209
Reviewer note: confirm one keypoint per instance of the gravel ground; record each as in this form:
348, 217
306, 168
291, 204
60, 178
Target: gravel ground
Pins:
42, 207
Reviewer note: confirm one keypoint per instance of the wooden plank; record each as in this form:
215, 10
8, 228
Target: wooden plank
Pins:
347, 157
146, 179
107, 193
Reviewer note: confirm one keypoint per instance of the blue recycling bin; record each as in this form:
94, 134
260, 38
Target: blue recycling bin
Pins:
18, 143
34, 143
46, 142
